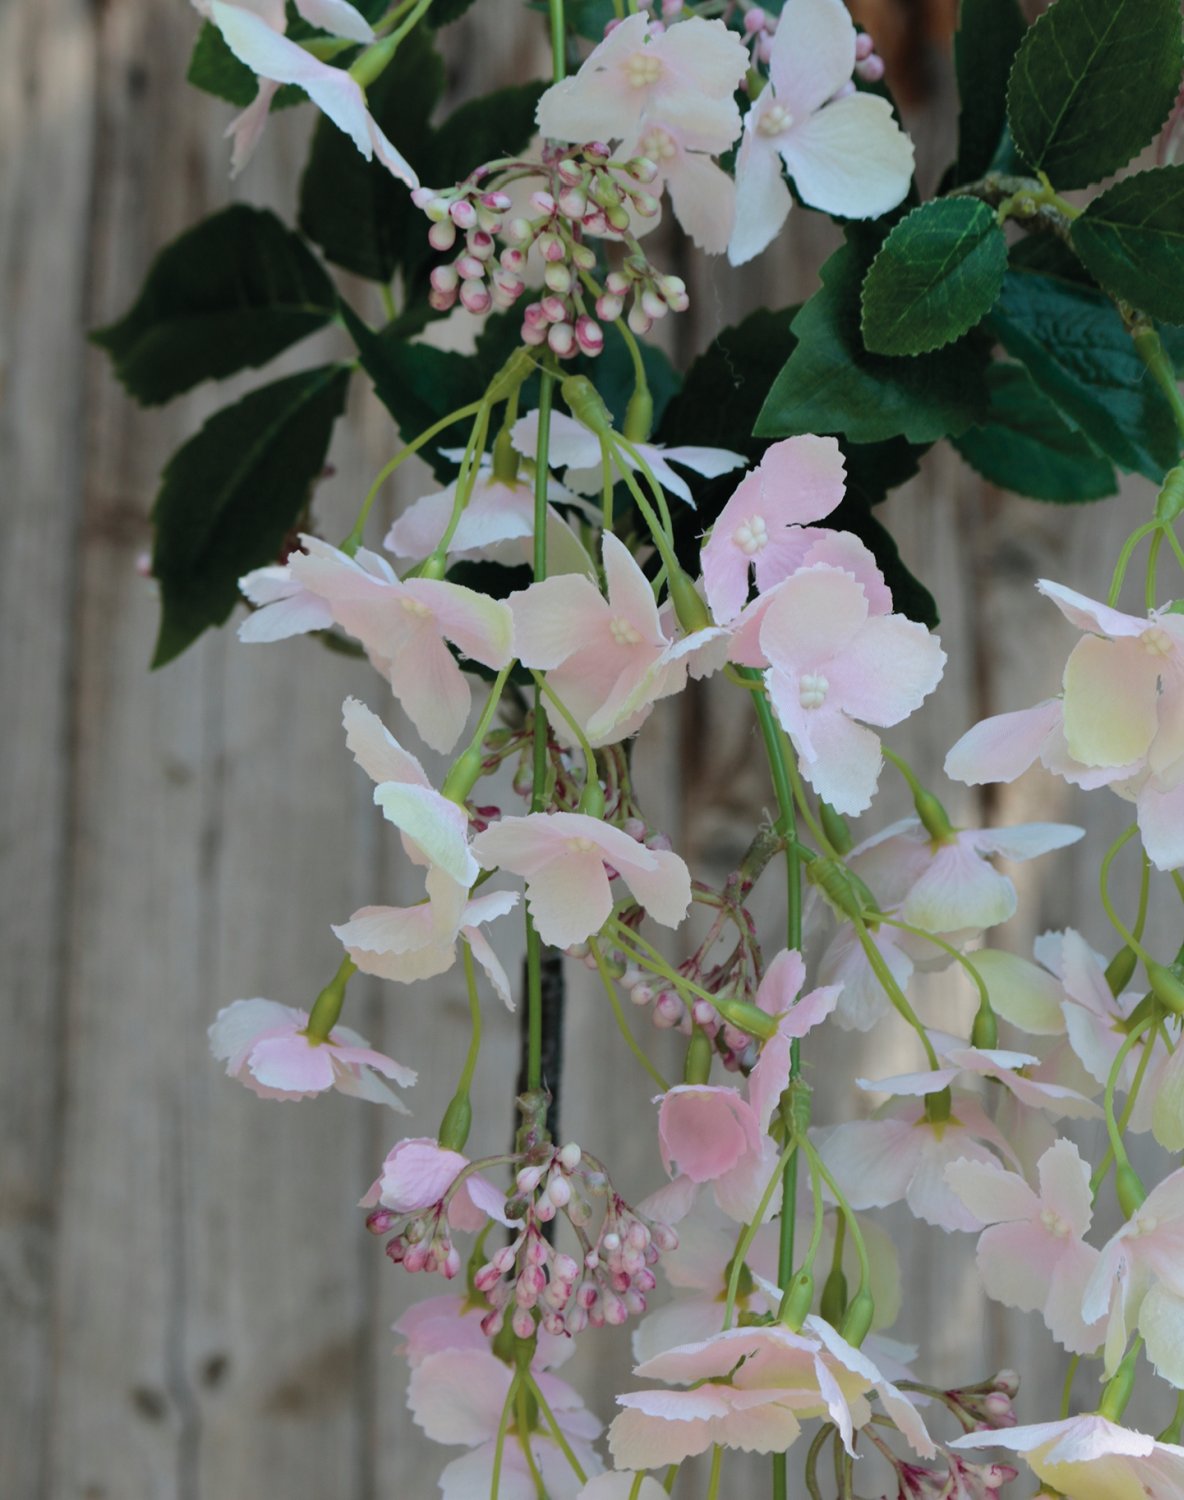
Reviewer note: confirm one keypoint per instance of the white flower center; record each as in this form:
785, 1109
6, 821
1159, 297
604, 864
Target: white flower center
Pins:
1156, 641
581, 845
751, 535
658, 145
1144, 1224
415, 607
642, 69
775, 120
622, 632
812, 690
1053, 1222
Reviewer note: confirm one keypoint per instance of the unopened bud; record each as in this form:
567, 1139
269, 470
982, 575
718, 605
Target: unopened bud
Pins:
561, 339
589, 335
558, 278
609, 308
475, 297
463, 214
573, 202
442, 236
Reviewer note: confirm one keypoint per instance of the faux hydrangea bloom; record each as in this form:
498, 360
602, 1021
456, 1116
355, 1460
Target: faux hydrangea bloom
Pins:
751, 1388
257, 40
266, 1046
1139, 1280
608, 660
404, 627
563, 857
1119, 723
576, 449
419, 1173
761, 528
846, 155
1091, 1458
833, 663
902, 1155
1033, 1255
457, 1396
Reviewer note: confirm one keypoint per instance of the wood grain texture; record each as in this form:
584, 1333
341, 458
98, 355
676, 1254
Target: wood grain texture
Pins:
191, 1308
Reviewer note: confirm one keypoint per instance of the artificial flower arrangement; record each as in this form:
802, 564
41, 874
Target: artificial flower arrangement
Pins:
603, 531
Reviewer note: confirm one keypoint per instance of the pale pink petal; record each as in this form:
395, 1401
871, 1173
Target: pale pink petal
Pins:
457, 1395
846, 767
483, 952
1062, 1309
571, 444
292, 1064
705, 1131
431, 688
703, 197
478, 626
862, 1001
782, 983
237, 1025
1016, 1262
1026, 840
841, 549
283, 607
665, 890
1021, 992
1088, 615
993, 1194
959, 890
630, 593
1161, 825
376, 749
710, 462
1110, 705
596, 104
1065, 1185
739, 1192
571, 899
701, 57
851, 158
813, 54
763, 200
770, 1077
338, 18
812, 618
417, 1174
873, 1160
1002, 747
557, 618
434, 823
246, 130
887, 671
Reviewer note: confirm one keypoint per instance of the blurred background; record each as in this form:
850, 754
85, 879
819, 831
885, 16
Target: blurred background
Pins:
190, 1306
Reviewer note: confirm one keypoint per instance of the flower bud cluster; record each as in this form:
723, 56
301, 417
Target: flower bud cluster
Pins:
959, 1481
420, 1242
529, 1281
584, 193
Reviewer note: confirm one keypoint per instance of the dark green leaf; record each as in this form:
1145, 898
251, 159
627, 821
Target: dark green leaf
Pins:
229, 497
418, 384
1051, 256
989, 32
228, 294
1092, 83
1132, 239
355, 210
1025, 445
1075, 347
831, 383
935, 278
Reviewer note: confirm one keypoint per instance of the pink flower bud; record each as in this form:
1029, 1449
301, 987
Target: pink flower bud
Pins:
444, 278
562, 339
652, 304
566, 1268
487, 1277
642, 169
506, 291
437, 209
416, 1258
554, 309
583, 256
533, 314
704, 1013
575, 1320
463, 214
642, 994
518, 232
534, 335
595, 223
871, 69
608, 309
645, 204
422, 196
617, 217
667, 1010
615, 1311
763, 50
664, 1236
475, 297
553, 1324
512, 260
638, 319
552, 248
543, 202
451, 1265
1008, 1382
522, 1323
491, 1324
528, 1179
441, 301
573, 203
596, 151
480, 245
864, 46
504, 1260
671, 8
998, 1407
442, 236
618, 286
558, 278
569, 171
559, 1191
469, 268
499, 202
755, 20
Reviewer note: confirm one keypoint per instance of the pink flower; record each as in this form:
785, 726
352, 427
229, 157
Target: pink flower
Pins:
1120, 722
1139, 1279
862, 1001
258, 41
751, 1389
1005, 1067
1090, 1458
832, 662
846, 154
457, 1396
563, 857
418, 1174
404, 625
607, 660
1034, 1256
407, 943
283, 607
576, 448
902, 1155
797, 482
497, 524
452, 1321
266, 1046
685, 75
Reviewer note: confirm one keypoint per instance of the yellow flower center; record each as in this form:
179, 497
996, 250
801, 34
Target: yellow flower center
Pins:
751, 535
642, 69
775, 120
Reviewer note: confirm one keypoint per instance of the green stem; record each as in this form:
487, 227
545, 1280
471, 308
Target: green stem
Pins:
1174, 544
1112, 1129
1124, 557
614, 1000
558, 41
818, 1165
717, 1464
1150, 350
354, 540
556, 1430
326, 1009
650, 478
470, 467
470, 1067
746, 1239
1067, 1389
661, 541
890, 987
500, 1443
569, 719
522, 1422
1119, 925
1149, 591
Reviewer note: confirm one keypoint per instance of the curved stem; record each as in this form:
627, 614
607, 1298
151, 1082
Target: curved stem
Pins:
750, 1229
975, 977
890, 987
470, 1067
499, 1446
1112, 1128
556, 1430
1124, 557
817, 1164
1120, 926
1149, 590
568, 718
523, 1425
614, 1000
470, 467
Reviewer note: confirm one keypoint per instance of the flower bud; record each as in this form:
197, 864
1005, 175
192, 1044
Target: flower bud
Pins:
558, 278
512, 260
589, 335
469, 268
481, 245
755, 20
573, 203
583, 256
441, 301
442, 236
554, 309
638, 320
444, 278
609, 307
617, 218
518, 232
475, 297
645, 204
463, 214
543, 202
595, 223
562, 339
437, 209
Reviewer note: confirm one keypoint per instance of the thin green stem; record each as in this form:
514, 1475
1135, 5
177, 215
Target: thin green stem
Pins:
354, 540
817, 1164
1118, 924
975, 977
661, 540
651, 479
470, 467
717, 1465
495, 1480
606, 487
1112, 1128
1124, 557
890, 987
1150, 350
522, 1423
1149, 589
470, 1067
745, 1242
558, 41
1067, 1389
556, 1430
614, 1000
1174, 544
570, 720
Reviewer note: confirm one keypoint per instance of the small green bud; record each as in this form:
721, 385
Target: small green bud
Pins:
1167, 988
1120, 970
1119, 1389
639, 415
834, 825
985, 1033
745, 1017
456, 1124
1129, 1189
433, 567
834, 1297
934, 817
697, 1068
586, 405
860, 1316
505, 458
463, 776
511, 375
798, 1300
592, 798
1170, 503
688, 606
841, 887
